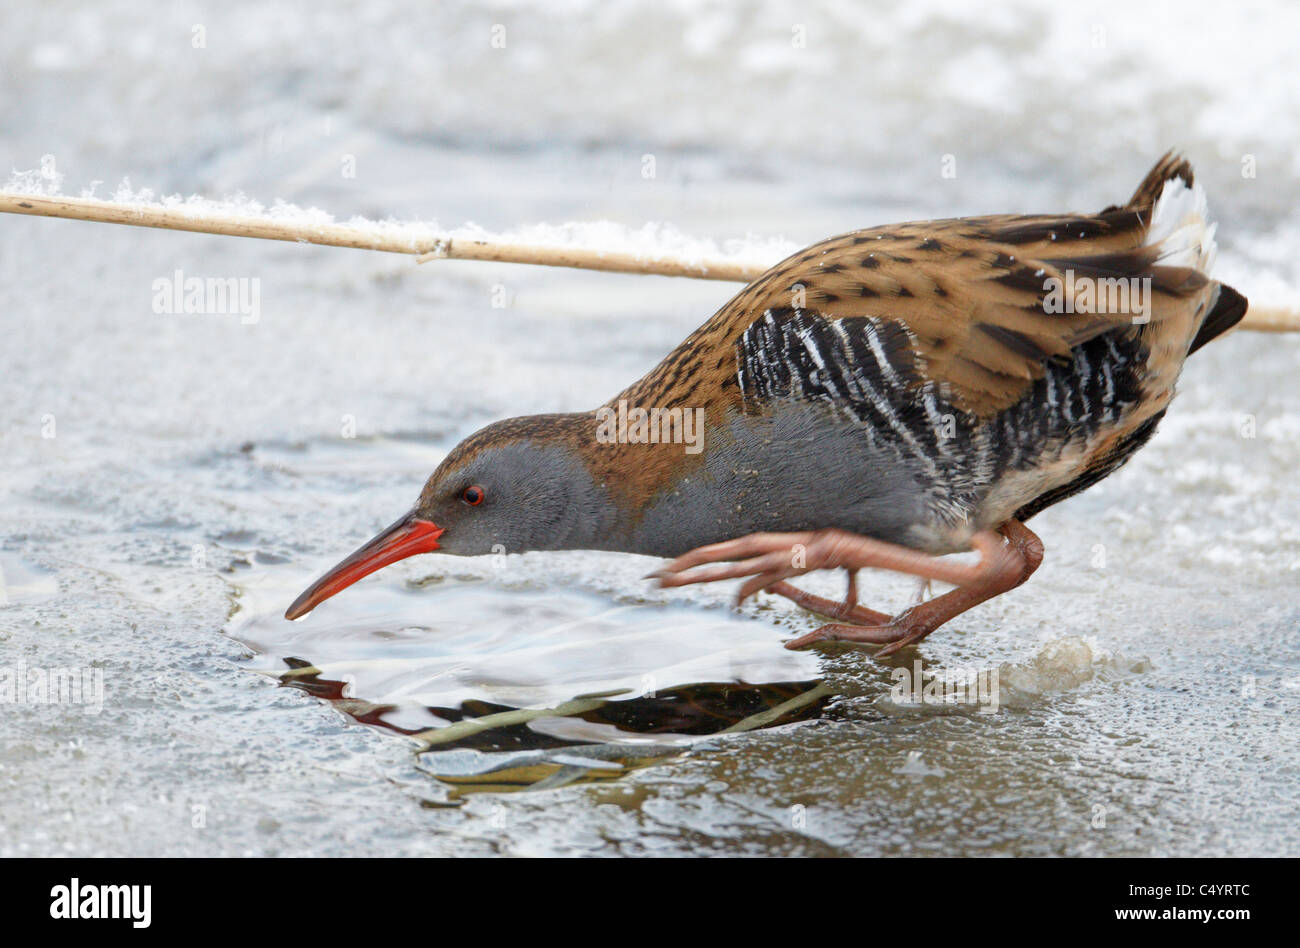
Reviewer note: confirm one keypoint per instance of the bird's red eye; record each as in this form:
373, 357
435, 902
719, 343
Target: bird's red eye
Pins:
473, 496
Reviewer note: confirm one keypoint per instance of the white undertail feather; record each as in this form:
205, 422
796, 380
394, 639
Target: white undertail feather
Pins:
1181, 227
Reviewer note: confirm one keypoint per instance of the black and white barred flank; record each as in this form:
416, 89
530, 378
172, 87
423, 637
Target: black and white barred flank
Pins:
864, 368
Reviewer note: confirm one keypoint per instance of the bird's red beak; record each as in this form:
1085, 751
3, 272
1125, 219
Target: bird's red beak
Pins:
406, 537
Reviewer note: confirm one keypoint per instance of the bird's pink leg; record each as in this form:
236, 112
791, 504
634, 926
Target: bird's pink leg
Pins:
914, 624
770, 558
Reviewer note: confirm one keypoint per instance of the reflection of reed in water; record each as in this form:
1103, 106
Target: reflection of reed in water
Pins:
497, 748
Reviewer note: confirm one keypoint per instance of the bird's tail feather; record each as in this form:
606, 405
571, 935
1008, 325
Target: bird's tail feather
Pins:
1229, 306
1179, 225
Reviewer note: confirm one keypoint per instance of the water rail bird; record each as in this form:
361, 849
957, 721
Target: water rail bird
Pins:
877, 400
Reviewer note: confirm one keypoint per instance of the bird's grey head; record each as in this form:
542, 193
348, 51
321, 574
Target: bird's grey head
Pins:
513, 486
517, 485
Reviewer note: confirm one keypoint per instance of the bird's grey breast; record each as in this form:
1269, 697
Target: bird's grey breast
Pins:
794, 467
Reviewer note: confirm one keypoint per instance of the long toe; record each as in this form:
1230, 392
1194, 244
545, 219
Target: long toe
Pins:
838, 632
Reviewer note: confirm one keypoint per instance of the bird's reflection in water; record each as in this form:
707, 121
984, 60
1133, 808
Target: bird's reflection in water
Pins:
487, 747
507, 687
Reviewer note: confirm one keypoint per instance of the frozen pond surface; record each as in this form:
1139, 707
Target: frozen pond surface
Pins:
171, 482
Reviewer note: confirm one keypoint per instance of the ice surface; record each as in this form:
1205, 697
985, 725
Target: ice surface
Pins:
194, 464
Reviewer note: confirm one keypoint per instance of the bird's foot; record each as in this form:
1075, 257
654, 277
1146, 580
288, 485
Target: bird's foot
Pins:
910, 631
902, 630
882, 634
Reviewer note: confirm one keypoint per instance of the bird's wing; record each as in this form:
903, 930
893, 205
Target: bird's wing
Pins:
981, 302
